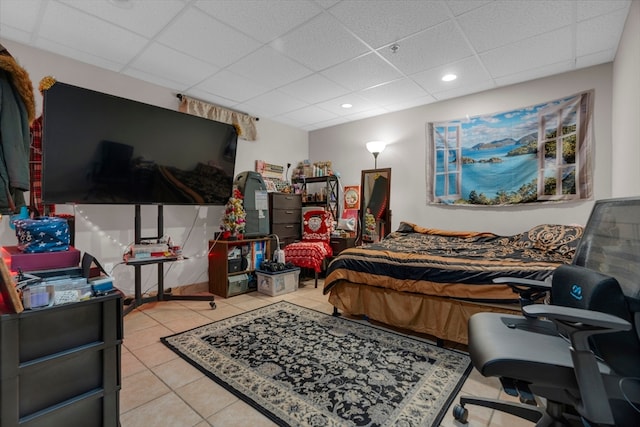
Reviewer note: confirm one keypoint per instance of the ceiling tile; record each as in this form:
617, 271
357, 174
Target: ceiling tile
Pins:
530, 53
502, 22
269, 68
596, 34
264, 21
382, 22
272, 103
155, 79
314, 88
458, 7
358, 103
466, 89
587, 9
393, 92
20, 14
310, 114
535, 73
199, 35
601, 57
50, 46
410, 103
165, 62
319, 44
363, 72
143, 17
468, 70
99, 38
428, 49
232, 86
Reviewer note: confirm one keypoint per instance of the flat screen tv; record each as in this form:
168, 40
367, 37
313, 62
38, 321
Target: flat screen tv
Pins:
103, 149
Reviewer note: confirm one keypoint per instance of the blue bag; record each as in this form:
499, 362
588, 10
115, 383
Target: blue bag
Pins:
45, 234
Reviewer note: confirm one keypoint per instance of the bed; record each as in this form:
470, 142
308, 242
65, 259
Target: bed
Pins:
431, 281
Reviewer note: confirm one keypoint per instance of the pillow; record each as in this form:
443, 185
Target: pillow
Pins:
555, 237
316, 225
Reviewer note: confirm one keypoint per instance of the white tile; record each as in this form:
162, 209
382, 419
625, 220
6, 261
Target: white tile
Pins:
379, 23
600, 33
434, 47
88, 34
269, 68
262, 20
363, 72
273, 103
319, 44
173, 65
200, 35
502, 22
468, 70
232, 86
393, 92
529, 54
314, 88
142, 17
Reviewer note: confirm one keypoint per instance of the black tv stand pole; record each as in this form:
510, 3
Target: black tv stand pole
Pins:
161, 295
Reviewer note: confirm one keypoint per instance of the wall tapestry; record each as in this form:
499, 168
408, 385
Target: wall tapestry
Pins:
536, 154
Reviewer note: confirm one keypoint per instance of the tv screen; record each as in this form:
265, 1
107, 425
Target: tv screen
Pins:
103, 149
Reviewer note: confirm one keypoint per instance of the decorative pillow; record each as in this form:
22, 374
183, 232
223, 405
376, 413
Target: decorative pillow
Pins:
555, 237
317, 225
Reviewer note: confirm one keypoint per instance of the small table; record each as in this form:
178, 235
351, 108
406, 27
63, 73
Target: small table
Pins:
339, 244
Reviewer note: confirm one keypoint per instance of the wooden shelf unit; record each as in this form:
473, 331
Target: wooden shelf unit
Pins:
219, 273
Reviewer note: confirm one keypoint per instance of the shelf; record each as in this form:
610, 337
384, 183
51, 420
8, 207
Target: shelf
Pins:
331, 202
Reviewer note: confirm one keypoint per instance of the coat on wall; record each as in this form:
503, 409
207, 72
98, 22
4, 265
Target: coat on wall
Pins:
17, 111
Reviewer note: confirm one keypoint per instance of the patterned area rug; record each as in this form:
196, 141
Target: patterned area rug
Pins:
301, 367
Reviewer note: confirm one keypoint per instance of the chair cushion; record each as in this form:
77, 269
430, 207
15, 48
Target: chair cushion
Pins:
308, 254
317, 225
502, 345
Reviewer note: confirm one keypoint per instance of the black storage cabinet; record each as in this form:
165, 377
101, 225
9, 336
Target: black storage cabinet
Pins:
60, 366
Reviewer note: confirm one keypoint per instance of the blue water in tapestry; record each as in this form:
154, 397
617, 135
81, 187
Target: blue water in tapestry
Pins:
490, 178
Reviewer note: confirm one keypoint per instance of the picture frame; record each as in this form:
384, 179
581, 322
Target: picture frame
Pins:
10, 297
352, 197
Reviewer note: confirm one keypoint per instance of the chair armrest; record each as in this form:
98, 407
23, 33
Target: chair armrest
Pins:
578, 318
528, 290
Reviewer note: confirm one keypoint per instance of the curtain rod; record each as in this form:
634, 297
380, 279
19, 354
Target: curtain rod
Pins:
179, 96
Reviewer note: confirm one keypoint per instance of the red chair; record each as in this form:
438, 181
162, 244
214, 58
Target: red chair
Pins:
314, 248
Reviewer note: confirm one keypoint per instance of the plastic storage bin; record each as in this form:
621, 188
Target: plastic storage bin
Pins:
278, 283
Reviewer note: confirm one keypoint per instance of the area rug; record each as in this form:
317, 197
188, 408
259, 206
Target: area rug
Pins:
301, 367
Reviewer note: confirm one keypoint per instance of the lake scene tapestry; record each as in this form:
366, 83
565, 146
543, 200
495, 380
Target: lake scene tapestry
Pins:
536, 154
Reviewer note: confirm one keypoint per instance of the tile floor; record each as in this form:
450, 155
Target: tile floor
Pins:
159, 389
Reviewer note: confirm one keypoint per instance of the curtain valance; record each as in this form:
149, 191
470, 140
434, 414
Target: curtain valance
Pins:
243, 122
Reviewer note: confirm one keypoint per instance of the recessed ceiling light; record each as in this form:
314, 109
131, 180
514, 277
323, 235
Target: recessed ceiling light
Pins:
449, 77
346, 105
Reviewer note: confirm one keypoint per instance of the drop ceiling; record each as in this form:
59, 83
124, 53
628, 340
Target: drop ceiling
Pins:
297, 61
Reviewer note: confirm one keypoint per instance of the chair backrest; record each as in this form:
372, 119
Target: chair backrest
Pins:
611, 245
317, 226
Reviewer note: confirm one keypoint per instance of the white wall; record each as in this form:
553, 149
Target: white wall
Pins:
626, 109
405, 155
105, 230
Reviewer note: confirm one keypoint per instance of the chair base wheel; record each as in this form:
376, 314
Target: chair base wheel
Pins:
460, 414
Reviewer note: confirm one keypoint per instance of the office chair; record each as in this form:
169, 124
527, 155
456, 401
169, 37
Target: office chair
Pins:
581, 352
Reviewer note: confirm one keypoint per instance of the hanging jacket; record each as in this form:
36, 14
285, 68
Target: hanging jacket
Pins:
17, 111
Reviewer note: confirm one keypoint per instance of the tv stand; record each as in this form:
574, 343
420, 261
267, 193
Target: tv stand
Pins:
138, 300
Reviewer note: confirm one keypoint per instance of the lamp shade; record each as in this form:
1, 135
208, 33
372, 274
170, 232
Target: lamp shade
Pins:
376, 146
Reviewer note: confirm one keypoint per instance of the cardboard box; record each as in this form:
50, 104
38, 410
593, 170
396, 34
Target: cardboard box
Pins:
279, 283
16, 259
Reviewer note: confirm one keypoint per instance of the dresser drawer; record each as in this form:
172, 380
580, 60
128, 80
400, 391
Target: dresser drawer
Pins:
286, 216
285, 201
286, 230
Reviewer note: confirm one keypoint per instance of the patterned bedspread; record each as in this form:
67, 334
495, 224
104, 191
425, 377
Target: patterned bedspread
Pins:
451, 263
